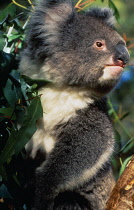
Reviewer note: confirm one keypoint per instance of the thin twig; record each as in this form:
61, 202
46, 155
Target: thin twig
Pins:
85, 4
77, 4
31, 4
131, 46
19, 5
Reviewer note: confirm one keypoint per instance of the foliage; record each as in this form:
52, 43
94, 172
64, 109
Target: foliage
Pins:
20, 105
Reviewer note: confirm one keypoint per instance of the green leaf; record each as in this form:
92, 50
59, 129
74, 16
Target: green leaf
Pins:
116, 13
9, 149
128, 146
5, 59
16, 180
118, 139
34, 112
4, 193
24, 87
8, 112
13, 37
3, 173
12, 90
10, 10
124, 115
2, 42
6, 64
10, 93
39, 82
124, 165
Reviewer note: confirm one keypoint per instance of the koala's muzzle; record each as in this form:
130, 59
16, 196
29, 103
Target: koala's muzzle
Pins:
121, 55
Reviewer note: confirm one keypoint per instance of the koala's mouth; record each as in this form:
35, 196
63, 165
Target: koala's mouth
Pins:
116, 68
122, 65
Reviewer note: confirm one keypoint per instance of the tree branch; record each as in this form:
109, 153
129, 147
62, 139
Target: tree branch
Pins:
122, 197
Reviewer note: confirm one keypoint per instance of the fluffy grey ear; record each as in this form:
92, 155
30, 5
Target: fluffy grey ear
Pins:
104, 14
57, 10
45, 24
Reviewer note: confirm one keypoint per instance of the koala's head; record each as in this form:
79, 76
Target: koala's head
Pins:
74, 49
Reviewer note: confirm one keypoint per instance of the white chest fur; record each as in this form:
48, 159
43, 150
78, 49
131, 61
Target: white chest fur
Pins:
59, 105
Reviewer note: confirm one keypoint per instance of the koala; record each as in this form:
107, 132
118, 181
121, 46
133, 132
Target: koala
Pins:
83, 57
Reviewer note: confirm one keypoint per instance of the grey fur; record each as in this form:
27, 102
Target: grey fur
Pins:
75, 135
104, 14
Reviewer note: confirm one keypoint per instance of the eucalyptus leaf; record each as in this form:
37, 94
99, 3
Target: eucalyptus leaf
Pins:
10, 11
34, 112
7, 62
11, 93
5, 59
118, 139
2, 43
24, 87
15, 77
4, 193
124, 165
116, 13
13, 37
124, 115
8, 112
16, 180
39, 82
12, 89
128, 146
9, 149
3, 174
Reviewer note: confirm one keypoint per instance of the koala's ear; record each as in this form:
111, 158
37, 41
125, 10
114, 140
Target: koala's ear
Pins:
104, 14
57, 10
45, 24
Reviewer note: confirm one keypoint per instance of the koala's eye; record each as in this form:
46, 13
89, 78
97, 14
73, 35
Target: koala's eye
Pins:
100, 45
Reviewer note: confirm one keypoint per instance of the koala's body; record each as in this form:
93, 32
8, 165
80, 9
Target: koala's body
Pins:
82, 56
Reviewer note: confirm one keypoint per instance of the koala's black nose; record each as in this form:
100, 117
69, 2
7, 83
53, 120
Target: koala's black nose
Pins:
122, 53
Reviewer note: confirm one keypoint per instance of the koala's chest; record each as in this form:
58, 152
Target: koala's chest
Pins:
59, 105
